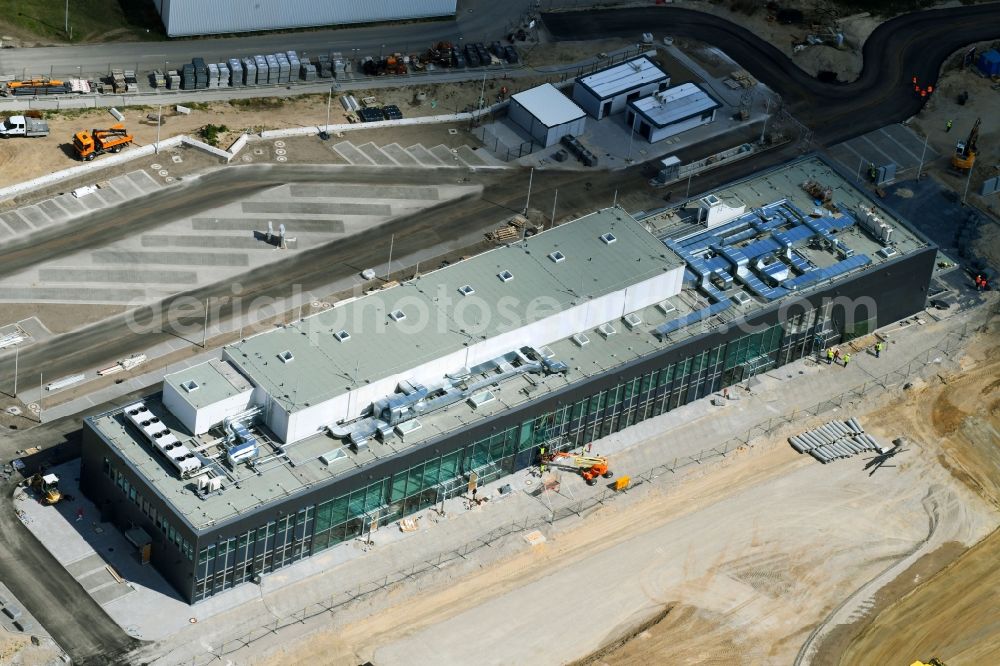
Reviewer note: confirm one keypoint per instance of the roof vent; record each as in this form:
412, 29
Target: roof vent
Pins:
557, 256
608, 238
397, 315
342, 336
632, 320
466, 290
505, 276
286, 356
581, 339
190, 385
666, 307
606, 330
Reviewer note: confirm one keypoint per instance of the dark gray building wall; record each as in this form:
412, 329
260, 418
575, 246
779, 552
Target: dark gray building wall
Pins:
125, 499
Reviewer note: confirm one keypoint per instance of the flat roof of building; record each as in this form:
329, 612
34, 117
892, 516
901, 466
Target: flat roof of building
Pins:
208, 383
675, 104
323, 366
549, 105
622, 77
779, 196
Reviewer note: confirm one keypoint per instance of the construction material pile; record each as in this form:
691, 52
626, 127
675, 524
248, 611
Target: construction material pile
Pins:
836, 439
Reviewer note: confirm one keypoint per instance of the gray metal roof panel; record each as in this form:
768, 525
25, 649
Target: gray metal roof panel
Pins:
675, 104
622, 77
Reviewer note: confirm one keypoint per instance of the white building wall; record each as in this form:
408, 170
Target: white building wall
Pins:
559, 131
596, 107
179, 407
586, 100
582, 317
197, 17
661, 133
199, 420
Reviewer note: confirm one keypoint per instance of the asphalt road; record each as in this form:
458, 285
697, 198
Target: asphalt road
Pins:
476, 20
39, 581
910, 45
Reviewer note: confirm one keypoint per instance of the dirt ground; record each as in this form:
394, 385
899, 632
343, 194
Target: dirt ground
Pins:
23, 159
17, 650
735, 563
954, 614
945, 605
984, 99
846, 60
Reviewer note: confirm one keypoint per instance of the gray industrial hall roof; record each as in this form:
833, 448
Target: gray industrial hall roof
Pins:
214, 381
620, 78
548, 105
440, 320
320, 458
675, 104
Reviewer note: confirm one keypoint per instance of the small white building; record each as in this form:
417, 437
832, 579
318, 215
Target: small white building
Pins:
546, 114
608, 90
671, 112
206, 394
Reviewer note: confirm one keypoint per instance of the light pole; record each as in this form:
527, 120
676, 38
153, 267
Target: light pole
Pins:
631, 135
767, 110
159, 122
923, 154
67, 17
329, 98
17, 352
380, 50
967, 181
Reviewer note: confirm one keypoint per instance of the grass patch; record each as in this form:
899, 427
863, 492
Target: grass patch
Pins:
91, 21
255, 103
210, 133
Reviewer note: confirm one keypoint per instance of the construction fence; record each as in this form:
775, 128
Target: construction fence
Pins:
949, 344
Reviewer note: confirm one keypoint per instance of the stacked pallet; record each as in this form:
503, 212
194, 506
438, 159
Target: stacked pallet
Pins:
835, 440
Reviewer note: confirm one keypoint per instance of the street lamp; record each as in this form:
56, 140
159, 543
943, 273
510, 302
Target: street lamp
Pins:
159, 123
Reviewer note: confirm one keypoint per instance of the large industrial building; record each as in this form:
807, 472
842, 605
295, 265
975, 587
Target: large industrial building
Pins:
309, 435
184, 18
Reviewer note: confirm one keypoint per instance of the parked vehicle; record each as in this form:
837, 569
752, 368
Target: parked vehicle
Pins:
472, 56
23, 126
90, 144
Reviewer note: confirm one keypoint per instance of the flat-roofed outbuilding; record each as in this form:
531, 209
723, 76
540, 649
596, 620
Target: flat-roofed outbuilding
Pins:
546, 114
671, 112
609, 90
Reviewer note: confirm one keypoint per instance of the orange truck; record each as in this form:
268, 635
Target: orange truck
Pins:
90, 144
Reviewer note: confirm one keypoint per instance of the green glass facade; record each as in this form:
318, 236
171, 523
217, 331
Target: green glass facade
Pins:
312, 529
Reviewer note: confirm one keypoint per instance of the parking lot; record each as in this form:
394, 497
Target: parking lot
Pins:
892, 144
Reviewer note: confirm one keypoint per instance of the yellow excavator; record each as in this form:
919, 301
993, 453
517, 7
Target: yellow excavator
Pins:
965, 151
47, 487
933, 662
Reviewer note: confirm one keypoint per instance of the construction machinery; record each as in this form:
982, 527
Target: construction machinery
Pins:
589, 467
44, 86
90, 144
47, 486
965, 151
